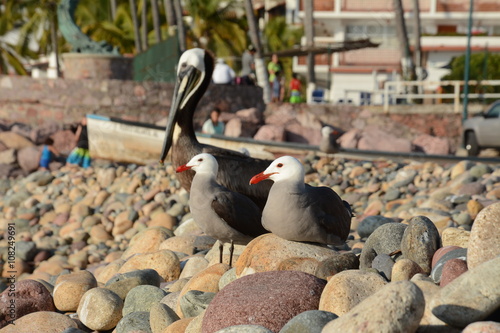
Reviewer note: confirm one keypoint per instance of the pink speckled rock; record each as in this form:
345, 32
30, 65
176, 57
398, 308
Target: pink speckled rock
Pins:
441, 252
29, 296
452, 269
269, 299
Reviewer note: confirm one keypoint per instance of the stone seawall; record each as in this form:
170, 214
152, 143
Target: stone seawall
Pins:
37, 101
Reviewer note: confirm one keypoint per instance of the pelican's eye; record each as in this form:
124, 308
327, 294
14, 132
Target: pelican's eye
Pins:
280, 165
184, 65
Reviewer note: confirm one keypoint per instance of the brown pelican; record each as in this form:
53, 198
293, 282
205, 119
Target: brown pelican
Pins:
194, 73
223, 214
299, 212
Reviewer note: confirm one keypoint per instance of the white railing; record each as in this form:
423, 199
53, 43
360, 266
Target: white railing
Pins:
396, 90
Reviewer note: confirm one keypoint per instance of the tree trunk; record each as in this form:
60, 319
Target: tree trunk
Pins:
144, 24
53, 36
309, 30
156, 19
113, 9
260, 64
402, 33
135, 22
417, 32
180, 25
169, 12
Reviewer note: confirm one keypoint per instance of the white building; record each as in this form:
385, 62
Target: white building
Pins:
350, 75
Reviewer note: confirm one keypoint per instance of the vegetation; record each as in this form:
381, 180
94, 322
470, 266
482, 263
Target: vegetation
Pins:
483, 66
213, 25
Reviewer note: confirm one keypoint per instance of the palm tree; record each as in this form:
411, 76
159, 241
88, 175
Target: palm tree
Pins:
95, 20
156, 19
309, 28
137, 36
9, 58
214, 28
417, 32
180, 25
169, 12
402, 33
260, 65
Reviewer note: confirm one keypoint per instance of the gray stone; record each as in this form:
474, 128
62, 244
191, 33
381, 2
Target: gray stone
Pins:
142, 298
385, 239
134, 321
121, 284
437, 270
420, 241
227, 278
161, 316
100, 309
368, 225
471, 297
383, 263
337, 264
195, 302
397, 307
26, 250
392, 194
311, 321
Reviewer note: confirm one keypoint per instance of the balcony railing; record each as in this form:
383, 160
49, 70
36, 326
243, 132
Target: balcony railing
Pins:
387, 5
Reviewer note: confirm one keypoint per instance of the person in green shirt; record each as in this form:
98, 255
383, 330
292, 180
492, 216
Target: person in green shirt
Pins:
274, 69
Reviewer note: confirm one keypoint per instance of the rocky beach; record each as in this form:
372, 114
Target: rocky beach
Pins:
113, 248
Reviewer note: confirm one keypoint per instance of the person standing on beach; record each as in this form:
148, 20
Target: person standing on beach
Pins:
80, 154
274, 69
248, 66
223, 74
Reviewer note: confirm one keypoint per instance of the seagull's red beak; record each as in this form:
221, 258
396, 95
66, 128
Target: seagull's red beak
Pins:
183, 168
260, 177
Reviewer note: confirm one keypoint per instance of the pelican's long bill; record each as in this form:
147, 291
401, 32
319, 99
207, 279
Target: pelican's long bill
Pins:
190, 74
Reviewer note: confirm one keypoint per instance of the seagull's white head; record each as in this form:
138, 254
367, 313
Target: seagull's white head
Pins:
201, 163
284, 168
326, 131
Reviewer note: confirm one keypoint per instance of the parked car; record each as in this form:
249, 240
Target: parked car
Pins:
483, 130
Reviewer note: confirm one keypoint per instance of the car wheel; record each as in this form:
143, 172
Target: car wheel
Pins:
471, 144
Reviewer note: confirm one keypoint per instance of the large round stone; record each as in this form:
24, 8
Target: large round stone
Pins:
484, 240
100, 309
268, 299
397, 307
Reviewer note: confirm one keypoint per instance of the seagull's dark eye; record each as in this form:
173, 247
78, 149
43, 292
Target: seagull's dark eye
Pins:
200, 160
280, 165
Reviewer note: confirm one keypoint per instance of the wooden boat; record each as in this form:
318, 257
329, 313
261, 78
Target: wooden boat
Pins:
133, 142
